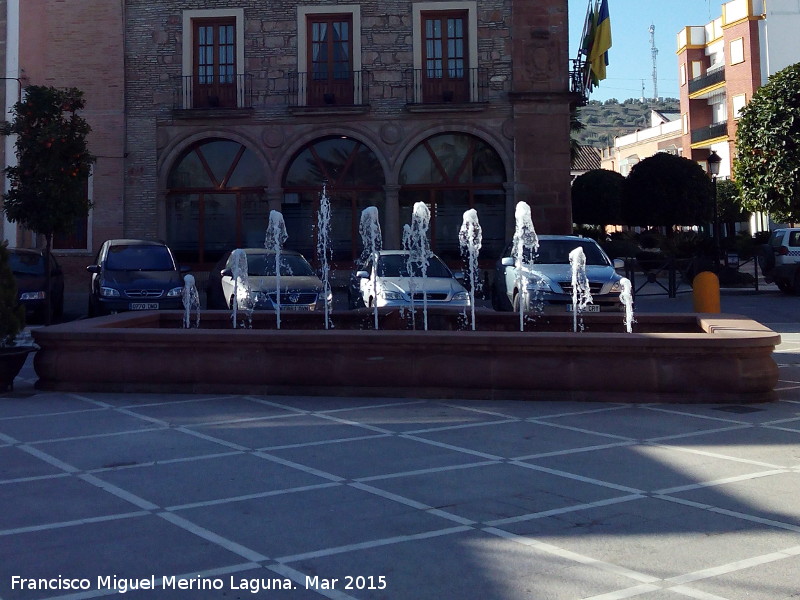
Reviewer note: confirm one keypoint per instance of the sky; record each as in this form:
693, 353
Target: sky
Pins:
630, 60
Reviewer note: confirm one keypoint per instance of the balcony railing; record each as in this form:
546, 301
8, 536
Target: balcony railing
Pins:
709, 133
349, 88
701, 83
195, 92
446, 86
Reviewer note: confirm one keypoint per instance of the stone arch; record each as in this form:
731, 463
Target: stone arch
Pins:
214, 197
353, 176
453, 171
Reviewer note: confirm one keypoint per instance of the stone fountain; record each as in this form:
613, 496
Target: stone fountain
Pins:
381, 353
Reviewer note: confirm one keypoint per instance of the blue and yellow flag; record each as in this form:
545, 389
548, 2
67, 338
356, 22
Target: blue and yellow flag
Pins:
601, 42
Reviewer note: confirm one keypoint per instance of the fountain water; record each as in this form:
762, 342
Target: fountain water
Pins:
242, 294
191, 302
415, 241
370, 229
524, 246
275, 238
581, 294
626, 297
471, 238
324, 249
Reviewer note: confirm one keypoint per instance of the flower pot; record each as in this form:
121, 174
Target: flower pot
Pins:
11, 361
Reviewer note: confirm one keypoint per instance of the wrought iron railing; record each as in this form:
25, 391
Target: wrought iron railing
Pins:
701, 83
196, 92
709, 133
446, 86
350, 88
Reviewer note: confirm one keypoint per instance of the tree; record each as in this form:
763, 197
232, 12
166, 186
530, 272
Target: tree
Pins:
47, 186
767, 167
667, 190
575, 128
729, 203
597, 197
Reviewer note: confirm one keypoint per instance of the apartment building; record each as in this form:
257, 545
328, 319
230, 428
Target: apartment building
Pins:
663, 135
722, 63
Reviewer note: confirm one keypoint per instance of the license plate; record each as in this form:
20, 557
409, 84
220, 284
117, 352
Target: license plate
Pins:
143, 306
588, 308
295, 307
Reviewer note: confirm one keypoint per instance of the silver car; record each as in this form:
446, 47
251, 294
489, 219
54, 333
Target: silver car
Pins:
392, 283
301, 288
547, 277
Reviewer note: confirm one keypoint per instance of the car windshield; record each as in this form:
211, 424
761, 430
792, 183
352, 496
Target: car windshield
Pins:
25, 263
139, 258
395, 265
556, 252
263, 265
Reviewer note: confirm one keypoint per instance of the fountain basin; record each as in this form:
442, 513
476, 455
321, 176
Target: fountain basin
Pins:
668, 358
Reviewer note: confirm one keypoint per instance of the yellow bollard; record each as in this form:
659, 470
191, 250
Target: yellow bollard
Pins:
706, 293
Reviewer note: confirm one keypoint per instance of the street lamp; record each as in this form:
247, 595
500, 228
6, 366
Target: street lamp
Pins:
713, 161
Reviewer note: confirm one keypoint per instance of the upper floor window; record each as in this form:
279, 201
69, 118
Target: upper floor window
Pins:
445, 52
737, 51
215, 62
330, 59
213, 57
445, 61
328, 56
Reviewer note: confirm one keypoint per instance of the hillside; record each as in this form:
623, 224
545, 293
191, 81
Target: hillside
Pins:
603, 121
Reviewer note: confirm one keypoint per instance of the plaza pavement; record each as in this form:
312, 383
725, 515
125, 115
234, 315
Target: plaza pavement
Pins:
405, 499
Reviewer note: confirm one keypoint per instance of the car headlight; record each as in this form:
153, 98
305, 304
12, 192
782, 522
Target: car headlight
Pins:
461, 297
540, 285
175, 292
107, 292
392, 295
616, 287
33, 295
259, 296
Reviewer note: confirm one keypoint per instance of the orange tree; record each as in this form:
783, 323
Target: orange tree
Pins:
47, 186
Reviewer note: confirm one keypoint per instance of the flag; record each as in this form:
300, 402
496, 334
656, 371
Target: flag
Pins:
601, 42
588, 77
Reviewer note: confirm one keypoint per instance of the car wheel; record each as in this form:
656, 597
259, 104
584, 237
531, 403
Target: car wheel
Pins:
795, 287
766, 261
58, 309
500, 300
515, 302
784, 286
354, 301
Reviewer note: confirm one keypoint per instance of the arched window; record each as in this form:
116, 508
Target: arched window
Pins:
354, 180
215, 201
452, 173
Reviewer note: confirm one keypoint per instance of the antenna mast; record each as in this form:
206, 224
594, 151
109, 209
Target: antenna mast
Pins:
654, 53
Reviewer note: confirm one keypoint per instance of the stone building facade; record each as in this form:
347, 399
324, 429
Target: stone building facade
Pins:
458, 104
207, 115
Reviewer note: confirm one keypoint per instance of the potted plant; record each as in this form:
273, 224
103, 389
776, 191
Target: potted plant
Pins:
12, 321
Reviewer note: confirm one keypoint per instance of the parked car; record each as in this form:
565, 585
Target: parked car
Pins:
391, 283
780, 259
548, 276
135, 275
301, 289
28, 266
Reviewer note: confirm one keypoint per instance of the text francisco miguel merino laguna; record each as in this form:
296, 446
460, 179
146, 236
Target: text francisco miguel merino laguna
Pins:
174, 582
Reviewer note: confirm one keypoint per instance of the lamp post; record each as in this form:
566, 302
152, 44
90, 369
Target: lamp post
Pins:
713, 161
